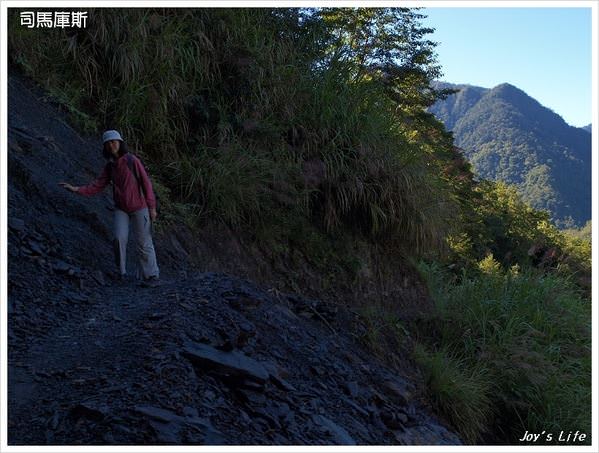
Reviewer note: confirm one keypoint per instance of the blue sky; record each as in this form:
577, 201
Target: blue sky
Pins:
546, 52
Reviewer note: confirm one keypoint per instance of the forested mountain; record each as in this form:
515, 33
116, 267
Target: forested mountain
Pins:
509, 136
588, 127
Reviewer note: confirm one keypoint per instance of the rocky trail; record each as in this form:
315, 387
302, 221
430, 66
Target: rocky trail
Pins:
205, 358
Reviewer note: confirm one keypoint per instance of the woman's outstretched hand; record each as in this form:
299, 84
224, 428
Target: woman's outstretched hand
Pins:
68, 186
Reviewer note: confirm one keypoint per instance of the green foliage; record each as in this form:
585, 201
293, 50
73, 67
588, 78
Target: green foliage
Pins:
531, 334
583, 233
576, 245
228, 104
496, 221
510, 226
69, 97
387, 44
235, 184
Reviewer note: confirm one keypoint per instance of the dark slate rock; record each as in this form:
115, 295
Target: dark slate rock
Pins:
35, 247
282, 383
168, 425
37, 236
356, 407
16, 224
252, 398
429, 434
351, 388
11, 306
275, 376
89, 411
76, 297
397, 391
231, 364
158, 413
243, 339
340, 435
394, 420
61, 267
251, 384
317, 370
156, 316
242, 302
98, 276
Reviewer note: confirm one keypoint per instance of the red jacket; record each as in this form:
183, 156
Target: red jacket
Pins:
126, 190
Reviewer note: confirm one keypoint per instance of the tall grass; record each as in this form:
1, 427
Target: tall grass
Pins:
209, 96
529, 331
237, 185
461, 392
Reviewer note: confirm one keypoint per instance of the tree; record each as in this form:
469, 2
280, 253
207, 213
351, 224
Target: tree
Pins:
388, 44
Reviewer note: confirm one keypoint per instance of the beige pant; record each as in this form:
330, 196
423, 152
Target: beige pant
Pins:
142, 226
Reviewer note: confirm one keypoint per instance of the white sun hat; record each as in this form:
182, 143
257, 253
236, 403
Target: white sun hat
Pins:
111, 135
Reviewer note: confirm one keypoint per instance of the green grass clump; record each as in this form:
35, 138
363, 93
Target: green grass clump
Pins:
531, 333
462, 393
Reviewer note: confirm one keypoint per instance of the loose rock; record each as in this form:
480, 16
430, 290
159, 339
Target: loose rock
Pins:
230, 364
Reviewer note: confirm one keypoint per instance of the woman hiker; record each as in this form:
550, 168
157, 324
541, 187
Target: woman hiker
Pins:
134, 200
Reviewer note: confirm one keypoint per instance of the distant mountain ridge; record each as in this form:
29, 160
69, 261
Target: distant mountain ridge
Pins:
509, 136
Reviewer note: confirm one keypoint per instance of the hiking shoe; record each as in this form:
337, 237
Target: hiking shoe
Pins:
119, 278
151, 282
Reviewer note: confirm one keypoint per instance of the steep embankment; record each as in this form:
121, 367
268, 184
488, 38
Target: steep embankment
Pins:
205, 358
